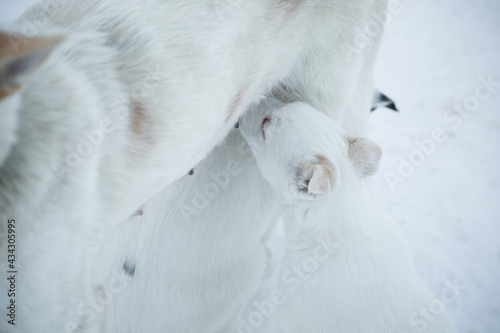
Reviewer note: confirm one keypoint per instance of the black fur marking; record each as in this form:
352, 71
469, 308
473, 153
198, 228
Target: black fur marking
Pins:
237, 125
128, 268
191, 172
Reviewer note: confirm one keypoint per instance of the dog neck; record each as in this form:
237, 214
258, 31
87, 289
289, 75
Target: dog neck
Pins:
347, 211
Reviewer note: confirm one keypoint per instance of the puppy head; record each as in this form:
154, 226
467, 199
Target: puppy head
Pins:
303, 153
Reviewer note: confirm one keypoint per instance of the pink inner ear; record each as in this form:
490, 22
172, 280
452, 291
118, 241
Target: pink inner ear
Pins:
320, 182
365, 155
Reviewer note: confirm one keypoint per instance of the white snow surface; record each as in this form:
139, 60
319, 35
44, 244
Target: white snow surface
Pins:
432, 57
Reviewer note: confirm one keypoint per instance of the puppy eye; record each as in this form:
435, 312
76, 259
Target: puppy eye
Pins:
266, 121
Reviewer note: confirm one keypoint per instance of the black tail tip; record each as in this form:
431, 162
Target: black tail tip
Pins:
392, 106
381, 100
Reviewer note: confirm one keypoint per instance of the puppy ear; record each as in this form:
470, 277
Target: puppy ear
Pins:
365, 154
20, 57
315, 180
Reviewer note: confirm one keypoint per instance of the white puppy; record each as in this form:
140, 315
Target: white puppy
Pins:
363, 280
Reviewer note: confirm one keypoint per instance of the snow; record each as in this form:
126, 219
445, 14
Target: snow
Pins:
449, 208
432, 57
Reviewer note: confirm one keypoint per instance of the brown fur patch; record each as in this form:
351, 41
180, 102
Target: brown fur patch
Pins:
8, 89
139, 117
327, 165
142, 125
352, 142
12, 45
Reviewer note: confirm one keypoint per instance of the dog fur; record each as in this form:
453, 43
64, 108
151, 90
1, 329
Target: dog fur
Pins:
106, 103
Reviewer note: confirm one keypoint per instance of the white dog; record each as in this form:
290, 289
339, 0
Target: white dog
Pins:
363, 280
104, 103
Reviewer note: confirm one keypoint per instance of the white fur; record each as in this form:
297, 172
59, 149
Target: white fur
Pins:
196, 267
363, 280
192, 67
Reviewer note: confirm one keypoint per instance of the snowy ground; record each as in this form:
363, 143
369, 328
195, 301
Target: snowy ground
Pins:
433, 56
